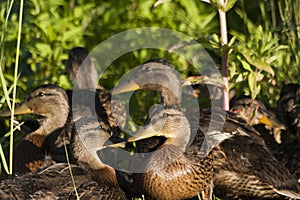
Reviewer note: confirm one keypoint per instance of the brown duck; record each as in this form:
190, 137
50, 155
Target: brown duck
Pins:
82, 71
55, 182
169, 172
255, 113
97, 131
50, 102
31, 153
289, 108
46, 101
243, 164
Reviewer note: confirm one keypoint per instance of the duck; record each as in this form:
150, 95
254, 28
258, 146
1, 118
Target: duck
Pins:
88, 135
256, 114
46, 101
46, 143
79, 67
58, 181
168, 172
80, 147
289, 109
289, 105
55, 126
243, 164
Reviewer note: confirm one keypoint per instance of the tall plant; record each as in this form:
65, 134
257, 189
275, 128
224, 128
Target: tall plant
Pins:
14, 86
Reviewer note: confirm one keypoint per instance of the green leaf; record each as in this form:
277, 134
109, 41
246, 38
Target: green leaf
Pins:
251, 82
157, 3
44, 49
71, 33
230, 4
259, 64
256, 91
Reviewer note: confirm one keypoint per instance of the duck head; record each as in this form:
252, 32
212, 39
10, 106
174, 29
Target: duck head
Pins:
157, 75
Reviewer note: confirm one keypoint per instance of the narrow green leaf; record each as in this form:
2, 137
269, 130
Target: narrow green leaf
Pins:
251, 81
157, 3
3, 159
3, 99
246, 65
259, 64
230, 4
71, 33
256, 91
44, 49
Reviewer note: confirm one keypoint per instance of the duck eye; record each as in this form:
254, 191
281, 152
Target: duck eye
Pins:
41, 94
148, 69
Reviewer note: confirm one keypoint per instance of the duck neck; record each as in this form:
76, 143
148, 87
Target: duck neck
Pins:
170, 97
106, 175
50, 123
180, 143
183, 136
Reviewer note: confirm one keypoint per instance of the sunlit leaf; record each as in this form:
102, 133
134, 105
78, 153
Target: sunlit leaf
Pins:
230, 4
246, 66
251, 81
207, 1
44, 49
259, 64
157, 3
256, 91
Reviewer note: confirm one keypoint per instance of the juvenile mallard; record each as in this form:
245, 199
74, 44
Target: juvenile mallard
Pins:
49, 101
55, 182
169, 172
82, 71
243, 164
288, 106
254, 112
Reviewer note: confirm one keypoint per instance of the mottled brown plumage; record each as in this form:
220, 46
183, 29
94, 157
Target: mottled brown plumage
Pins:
254, 112
82, 71
244, 166
168, 172
84, 148
89, 135
41, 102
50, 102
288, 106
55, 182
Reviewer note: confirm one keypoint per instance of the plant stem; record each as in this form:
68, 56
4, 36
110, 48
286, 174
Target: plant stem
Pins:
15, 88
223, 29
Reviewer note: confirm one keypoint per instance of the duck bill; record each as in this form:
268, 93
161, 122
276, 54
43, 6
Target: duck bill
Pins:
143, 134
271, 122
126, 87
117, 145
19, 110
139, 135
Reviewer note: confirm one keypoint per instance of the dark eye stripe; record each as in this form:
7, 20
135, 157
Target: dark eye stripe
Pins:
42, 94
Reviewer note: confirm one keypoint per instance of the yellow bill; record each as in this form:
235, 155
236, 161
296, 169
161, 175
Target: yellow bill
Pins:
270, 122
19, 110
126, 87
